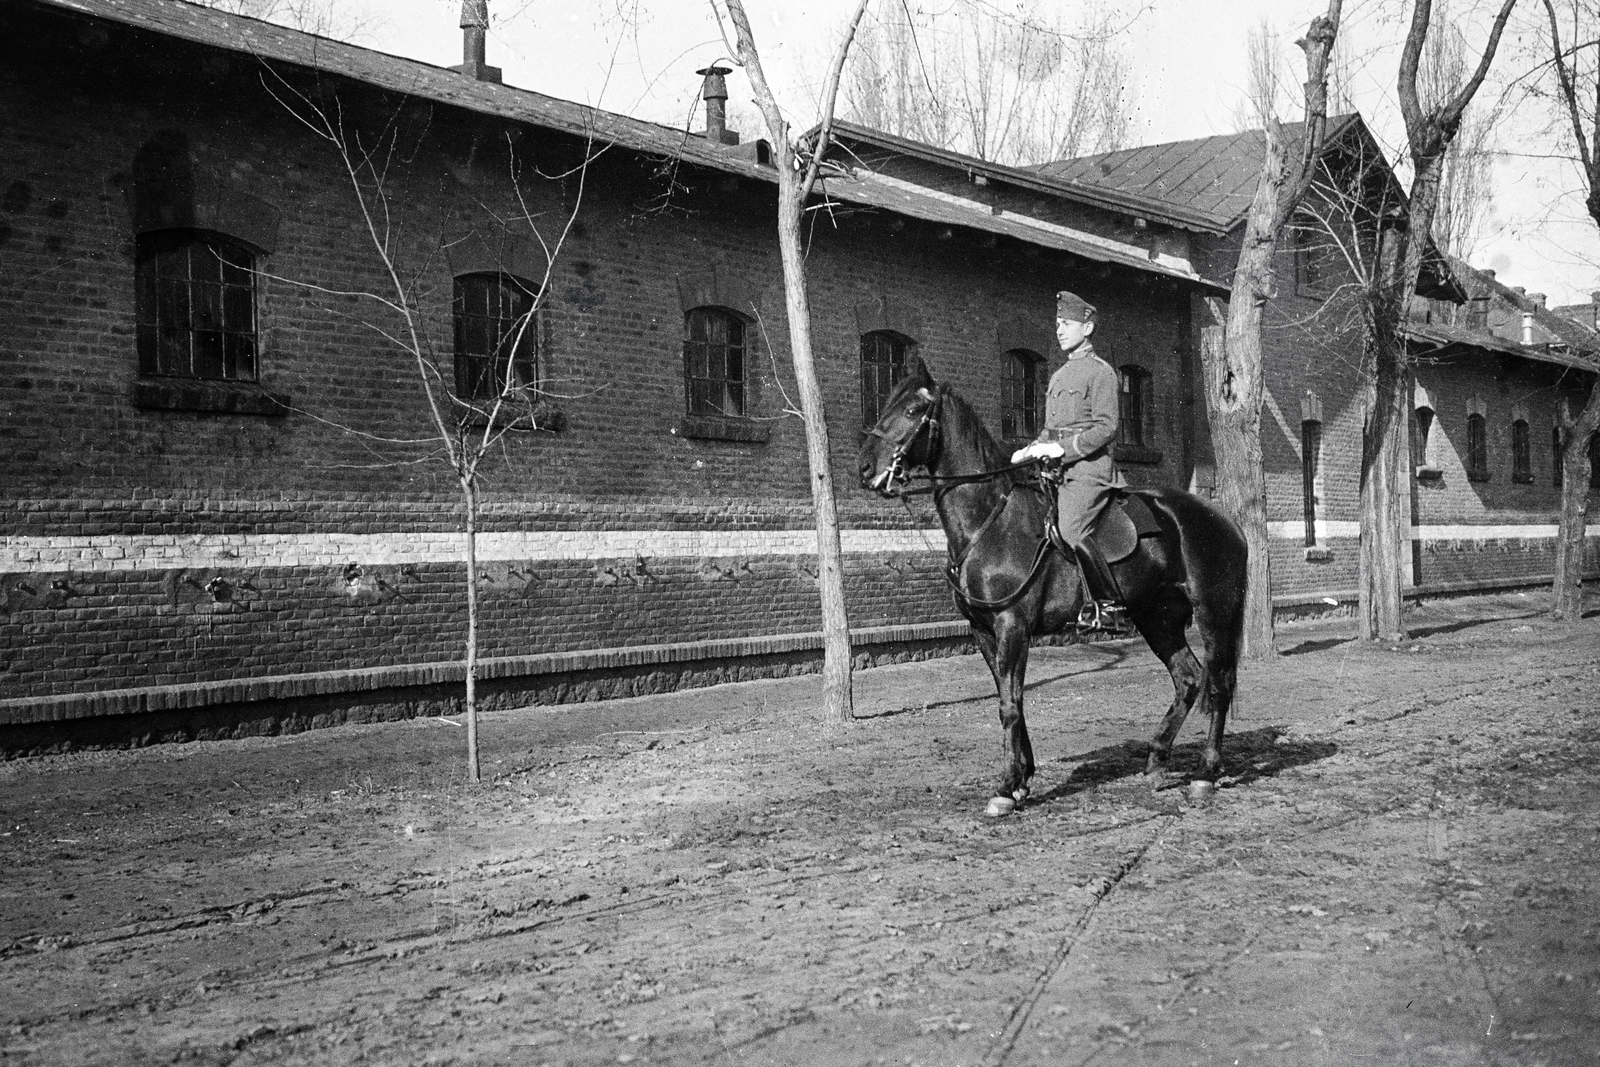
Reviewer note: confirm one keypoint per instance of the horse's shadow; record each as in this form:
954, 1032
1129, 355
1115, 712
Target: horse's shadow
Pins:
1253, 755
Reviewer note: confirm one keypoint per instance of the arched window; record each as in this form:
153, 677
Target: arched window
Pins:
1021, 394
1477, 448
883, 365
1311, 475
195, 306
713, 361
1419, 443
1558, 442
497, 336
1134, 398
1521, 452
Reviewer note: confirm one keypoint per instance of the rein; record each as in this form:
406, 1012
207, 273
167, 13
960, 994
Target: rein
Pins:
937, 484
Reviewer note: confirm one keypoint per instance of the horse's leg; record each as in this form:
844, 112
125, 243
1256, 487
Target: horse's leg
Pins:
1010, 665
1161, 621
1220, 684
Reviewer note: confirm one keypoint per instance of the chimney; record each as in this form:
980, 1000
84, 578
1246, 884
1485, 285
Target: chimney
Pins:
474, 28
715, 93
1487, 274
1538, 300
1527, 327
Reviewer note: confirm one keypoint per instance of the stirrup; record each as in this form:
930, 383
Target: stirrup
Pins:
1102, 615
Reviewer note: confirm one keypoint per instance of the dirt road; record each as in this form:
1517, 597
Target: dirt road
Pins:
1402, 871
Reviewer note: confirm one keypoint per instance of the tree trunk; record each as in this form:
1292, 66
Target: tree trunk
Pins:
1230, 357
1381, 597
469, 490
1566, 601
838, 699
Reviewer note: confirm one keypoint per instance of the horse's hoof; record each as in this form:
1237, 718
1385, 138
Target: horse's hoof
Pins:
1201, 791
999, 807
1019, 795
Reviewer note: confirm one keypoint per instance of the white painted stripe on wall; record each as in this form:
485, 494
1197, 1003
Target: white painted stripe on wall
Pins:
19, 554
173, 552
1339, 529
1326, 528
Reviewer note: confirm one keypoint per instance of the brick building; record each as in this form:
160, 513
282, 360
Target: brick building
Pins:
222, 506
1496, 374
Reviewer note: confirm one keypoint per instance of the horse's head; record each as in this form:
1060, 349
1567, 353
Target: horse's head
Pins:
904, 435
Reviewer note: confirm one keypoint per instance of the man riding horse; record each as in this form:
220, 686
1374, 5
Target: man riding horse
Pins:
1080, 423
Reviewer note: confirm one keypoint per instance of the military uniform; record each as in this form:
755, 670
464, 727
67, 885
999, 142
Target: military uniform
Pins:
1080, 415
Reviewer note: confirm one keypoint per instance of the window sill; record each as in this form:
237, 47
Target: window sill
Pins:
519, 418
1319, 555
1136, 454
723, 428
222, 398
1429, 474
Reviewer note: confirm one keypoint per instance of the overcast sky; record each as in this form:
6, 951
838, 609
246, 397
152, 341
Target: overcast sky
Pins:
639, 57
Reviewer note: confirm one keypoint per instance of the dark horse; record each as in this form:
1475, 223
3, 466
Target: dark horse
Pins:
995, 524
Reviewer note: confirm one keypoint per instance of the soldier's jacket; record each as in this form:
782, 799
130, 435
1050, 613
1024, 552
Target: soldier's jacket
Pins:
1080, 408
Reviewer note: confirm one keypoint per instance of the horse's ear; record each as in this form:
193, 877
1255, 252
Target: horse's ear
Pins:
915, 368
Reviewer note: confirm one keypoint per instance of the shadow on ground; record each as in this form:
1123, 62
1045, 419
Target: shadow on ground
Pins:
1247, 757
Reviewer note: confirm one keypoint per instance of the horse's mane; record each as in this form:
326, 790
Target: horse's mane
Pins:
960, 420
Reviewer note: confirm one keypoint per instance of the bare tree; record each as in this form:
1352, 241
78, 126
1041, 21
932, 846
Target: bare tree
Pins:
465, 427
1567, 598
1231, 353
1431, 124
1466, 179
798, 164
1016, 87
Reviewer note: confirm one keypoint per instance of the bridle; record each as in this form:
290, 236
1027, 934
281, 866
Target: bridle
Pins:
897, 459
929, 422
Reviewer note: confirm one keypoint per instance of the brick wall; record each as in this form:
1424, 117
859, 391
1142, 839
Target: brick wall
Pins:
152, 547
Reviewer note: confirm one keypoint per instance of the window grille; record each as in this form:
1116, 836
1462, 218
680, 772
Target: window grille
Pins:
713, 362
883, 365
1521, 452
195, 306
1477, 448
1134, 397
496, 335
1021, 394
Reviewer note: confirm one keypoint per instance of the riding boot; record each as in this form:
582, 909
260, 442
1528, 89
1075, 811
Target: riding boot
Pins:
1102, 607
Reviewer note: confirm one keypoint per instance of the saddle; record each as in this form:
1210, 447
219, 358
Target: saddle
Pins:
1117, 531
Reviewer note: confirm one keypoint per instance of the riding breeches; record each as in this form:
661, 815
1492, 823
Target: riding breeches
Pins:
1086, 489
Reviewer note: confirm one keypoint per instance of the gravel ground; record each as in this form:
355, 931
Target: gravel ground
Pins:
1400, 869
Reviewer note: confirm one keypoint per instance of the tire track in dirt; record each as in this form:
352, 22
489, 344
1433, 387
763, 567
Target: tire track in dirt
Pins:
1002, 1045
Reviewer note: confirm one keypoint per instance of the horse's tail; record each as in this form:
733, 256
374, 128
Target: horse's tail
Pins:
1216, 570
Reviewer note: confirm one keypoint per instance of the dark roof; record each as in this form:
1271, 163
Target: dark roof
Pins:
266, 41
1556, 338
1126, 201
1213, 177
906, 198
